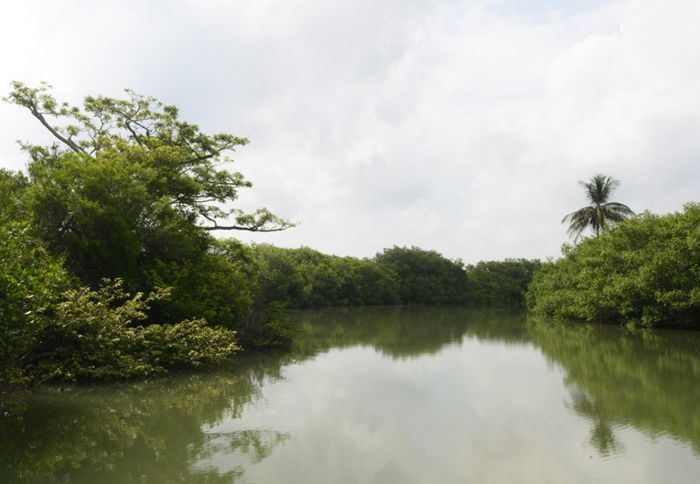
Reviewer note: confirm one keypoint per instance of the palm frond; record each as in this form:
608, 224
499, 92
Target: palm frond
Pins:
580, 220
620, 208
598, 191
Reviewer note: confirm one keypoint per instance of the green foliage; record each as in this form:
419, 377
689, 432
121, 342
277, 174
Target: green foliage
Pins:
52, 329
13, 188
130, 191
425, 277
97, 335
644, 272
500, 283
31, 282
305, 278
181, 161
86, 335
279, 276
110, 216
210, 286
369, 283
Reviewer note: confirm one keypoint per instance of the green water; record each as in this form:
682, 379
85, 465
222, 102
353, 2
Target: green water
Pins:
413, 395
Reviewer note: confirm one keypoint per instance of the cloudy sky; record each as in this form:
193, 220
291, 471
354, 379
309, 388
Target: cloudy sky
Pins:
460, 126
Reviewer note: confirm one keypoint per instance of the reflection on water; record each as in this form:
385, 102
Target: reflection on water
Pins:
385, 395
138, 432
401, 332
643, 379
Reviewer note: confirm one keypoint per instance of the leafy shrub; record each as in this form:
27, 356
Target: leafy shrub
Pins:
95, 334
31, 281
49, 329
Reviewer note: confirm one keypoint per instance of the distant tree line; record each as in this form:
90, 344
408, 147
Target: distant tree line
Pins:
306, 278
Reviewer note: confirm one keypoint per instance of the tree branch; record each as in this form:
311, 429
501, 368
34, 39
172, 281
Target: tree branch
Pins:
246, 228
242, 227
38, 115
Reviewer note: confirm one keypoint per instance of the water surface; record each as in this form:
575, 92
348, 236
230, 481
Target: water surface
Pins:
386, 395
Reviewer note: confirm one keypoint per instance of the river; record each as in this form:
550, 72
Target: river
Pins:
382, 396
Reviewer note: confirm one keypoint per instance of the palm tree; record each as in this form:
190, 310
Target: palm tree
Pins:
600, 212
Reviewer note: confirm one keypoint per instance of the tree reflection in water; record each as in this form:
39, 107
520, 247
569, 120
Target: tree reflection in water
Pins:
149, 431
648, 380
404, 331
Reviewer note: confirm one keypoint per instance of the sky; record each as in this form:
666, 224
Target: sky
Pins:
456, 126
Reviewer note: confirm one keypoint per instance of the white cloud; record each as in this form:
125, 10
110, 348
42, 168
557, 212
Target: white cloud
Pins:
461, 127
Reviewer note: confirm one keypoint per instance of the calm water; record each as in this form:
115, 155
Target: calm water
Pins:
386, 396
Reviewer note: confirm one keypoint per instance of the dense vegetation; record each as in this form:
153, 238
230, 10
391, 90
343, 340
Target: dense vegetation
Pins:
109, 236
305, 278
109, 269
500, 283
53, 326
644, 272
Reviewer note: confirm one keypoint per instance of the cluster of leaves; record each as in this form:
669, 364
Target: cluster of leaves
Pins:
31, 282
645, 272
96, 334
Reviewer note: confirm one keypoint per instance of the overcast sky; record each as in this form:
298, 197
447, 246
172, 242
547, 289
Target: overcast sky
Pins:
460, 126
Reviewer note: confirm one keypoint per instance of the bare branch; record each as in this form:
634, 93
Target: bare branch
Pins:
247, 229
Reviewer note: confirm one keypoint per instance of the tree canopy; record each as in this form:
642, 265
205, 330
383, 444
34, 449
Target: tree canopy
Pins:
121, 205
180, 165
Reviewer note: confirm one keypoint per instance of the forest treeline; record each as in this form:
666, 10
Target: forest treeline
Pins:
643, 272
305, 278
109, 267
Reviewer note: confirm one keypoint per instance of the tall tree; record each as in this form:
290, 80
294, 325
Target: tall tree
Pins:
601, 212
127, 186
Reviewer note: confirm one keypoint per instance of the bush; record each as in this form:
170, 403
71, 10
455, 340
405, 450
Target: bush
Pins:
97, 335
51, 330
31, 282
